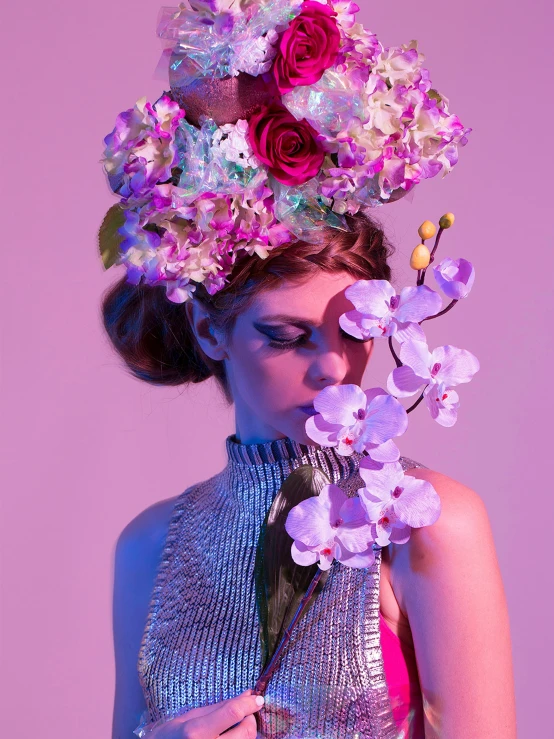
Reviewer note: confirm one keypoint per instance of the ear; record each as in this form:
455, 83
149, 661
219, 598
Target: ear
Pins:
210, 341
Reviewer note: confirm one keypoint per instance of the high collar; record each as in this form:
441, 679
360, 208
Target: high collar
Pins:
255, 472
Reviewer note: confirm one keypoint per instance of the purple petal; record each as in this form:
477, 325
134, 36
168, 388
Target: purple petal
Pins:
386, 419
338, 403
456, 365
380, 482
409, 332
362, 559
443, 404
308, 521
417, 303
350, 322
385, 453
416, 354
321, 432
355, 532
371, 297
372, 392
302, 555
418, 504
400, 534
403, 382
455, 277
373, 509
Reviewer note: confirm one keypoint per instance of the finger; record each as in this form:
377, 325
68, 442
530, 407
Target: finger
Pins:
247, 729
204, 710
224, 716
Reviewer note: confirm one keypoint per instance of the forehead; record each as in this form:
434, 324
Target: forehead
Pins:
313, 299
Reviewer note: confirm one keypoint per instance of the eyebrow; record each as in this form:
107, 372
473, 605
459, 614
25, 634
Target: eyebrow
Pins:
284, 318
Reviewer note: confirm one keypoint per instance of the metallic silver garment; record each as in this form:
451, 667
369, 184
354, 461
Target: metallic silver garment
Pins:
201, 642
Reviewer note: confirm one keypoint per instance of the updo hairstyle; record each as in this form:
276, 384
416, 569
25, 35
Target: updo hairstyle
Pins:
155, 339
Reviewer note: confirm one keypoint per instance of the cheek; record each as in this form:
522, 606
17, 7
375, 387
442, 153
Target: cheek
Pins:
273, 380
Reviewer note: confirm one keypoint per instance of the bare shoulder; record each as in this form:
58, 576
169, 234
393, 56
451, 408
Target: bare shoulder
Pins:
147, 528
449, 586
138, 552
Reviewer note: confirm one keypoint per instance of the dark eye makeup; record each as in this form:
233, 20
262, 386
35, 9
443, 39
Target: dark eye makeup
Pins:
282, 342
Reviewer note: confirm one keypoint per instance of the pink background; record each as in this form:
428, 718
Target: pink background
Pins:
84, 447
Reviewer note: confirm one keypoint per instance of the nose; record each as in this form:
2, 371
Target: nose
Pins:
328, 367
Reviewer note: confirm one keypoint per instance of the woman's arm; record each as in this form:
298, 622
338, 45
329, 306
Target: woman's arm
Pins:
448, 584
137, 556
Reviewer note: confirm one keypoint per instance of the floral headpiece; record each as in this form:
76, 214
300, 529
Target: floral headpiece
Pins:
282, 116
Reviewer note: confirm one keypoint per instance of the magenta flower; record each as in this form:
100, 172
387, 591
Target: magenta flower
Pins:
288, 147
438, 372
395, 502
455, 277
307, 48
356, 420
330, 526
379, 311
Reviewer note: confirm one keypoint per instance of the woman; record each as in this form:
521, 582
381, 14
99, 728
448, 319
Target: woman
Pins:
417, 645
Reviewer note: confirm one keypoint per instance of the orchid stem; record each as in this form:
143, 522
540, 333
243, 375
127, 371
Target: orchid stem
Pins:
421, 272
394, 354
265, 677
415, 405
442, 312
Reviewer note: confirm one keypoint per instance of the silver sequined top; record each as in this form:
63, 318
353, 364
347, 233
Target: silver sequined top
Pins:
201, 641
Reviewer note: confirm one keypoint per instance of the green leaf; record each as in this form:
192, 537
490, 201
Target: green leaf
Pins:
108, 237
434, 95
280, 582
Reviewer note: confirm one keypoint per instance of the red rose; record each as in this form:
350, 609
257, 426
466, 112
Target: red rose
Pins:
286, 146
307, 48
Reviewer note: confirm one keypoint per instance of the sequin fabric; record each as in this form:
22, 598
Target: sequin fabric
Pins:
201, 641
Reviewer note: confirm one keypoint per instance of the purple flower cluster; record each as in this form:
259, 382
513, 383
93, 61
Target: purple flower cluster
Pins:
332, 525
345, 123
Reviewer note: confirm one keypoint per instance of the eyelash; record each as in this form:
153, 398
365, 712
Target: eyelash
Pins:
300, 340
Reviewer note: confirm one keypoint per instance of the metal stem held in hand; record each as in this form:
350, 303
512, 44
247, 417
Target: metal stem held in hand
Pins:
266, 675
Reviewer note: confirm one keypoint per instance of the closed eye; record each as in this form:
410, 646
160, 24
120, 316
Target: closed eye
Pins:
301, 340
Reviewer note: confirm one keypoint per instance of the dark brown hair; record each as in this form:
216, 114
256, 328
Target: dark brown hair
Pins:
154, 336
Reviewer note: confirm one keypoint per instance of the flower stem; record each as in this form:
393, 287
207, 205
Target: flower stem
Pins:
442, 312
421, 273
265, 677
415, 405
394, 354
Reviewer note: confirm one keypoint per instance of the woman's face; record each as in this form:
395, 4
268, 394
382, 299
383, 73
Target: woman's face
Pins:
284, 350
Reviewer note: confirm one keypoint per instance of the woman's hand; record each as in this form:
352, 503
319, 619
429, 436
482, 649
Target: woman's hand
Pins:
210, 722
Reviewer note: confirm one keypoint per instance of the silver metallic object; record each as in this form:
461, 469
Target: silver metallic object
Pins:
201, 641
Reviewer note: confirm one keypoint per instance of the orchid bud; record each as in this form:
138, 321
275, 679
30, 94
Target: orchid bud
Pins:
421, 256
446, 220
427, 230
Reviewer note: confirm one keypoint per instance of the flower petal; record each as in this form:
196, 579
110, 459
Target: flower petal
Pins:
308, 522
354, 533
338, 403
417, 303
403, 382
418, 504
456, 365
385, 453
322, 432
416, 354
386, 419
371, 297
303, 555
359, 560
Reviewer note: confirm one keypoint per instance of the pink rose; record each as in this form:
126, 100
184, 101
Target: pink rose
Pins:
307, 48
286, 146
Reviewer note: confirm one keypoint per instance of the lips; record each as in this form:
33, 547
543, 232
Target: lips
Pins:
309, 409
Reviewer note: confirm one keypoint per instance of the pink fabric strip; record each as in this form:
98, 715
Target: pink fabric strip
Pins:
403, 683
